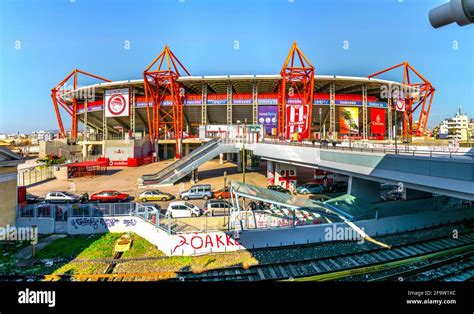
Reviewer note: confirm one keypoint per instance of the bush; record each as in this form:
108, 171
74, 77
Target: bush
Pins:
52, 160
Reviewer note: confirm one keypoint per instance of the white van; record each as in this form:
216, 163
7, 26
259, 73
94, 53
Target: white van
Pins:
180, 209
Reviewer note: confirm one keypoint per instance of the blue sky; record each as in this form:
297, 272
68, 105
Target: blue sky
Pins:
57, 36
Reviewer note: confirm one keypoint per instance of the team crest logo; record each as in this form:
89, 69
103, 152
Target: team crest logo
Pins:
116, 104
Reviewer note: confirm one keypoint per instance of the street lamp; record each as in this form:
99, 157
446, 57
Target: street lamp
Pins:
243, 151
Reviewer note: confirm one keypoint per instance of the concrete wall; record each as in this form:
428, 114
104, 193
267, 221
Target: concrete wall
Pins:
366, 190
60, 172
290, 153
8, 195
212, 242
59, 148
184, 244
45, 225
373, 227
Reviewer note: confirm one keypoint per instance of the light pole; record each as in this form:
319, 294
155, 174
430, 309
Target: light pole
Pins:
225, 197
243, 151
320, 123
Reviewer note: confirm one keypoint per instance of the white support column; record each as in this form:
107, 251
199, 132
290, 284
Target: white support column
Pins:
104, 126
255, 103
389, 118
204, 104
364, 113
86, 109
229, 103
270, 172
165, 151
332, 108
132, 113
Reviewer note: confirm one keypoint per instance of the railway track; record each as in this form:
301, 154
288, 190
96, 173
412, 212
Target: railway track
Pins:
438, 269
344, 265
331, 267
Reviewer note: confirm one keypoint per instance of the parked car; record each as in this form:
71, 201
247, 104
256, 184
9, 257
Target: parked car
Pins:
155, 195
61, 197
197, 191
217, 208
278, 188
222, 193
151, 208
310, 188
339, 186
33, 199
180, 209
109, 196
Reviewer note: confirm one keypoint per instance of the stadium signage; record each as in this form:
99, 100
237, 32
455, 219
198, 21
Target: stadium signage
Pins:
297, 120
117, 103
377, 124
349, 120
267, 115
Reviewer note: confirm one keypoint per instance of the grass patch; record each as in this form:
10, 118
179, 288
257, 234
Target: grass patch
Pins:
142, 248
81, 247
66, 252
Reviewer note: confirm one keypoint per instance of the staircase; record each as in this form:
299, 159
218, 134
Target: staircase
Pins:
185, 165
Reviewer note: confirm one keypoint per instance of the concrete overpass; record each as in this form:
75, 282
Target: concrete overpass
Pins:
443, 173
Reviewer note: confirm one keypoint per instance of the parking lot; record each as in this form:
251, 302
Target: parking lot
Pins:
125, 180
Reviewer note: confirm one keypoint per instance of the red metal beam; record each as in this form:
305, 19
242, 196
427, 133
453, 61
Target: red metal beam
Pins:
159, 83
424, 99
56, 95
297, 79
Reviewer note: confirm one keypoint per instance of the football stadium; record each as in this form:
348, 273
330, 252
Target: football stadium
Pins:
169, 107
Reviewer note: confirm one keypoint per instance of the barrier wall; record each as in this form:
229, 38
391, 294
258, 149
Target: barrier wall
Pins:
214, 242
45, 225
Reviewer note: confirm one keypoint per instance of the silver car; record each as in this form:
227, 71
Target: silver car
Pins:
61, 197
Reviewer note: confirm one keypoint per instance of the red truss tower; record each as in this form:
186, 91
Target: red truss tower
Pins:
297, 85
61, 91
420, 95
165, 119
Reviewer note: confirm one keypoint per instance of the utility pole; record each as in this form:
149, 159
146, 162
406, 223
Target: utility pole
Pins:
320, 123
225, 197
243, 151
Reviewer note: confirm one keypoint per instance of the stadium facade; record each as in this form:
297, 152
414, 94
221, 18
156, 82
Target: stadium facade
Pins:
168, 106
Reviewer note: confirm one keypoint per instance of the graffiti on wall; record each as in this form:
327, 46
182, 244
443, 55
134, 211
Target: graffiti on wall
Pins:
95, 222
208, 242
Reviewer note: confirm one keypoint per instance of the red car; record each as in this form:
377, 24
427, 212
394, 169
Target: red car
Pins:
109, 196
222, 193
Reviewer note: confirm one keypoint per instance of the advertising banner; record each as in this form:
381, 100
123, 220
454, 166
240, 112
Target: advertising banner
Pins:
117, 103
348, 120
297, 120
377, 121
267, 115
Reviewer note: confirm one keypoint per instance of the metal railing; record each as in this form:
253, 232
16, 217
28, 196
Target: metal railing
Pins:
51, 210
163, 222
35, 175
61, 212
403, 150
